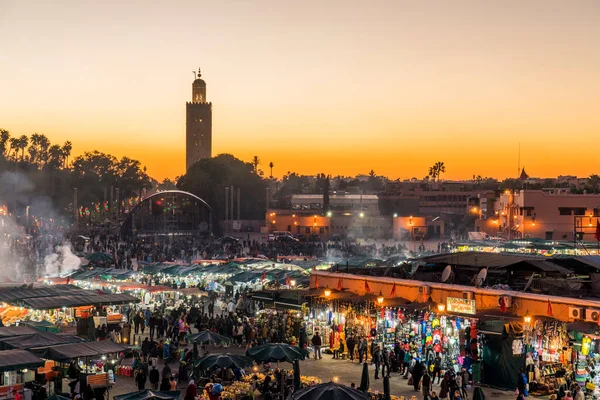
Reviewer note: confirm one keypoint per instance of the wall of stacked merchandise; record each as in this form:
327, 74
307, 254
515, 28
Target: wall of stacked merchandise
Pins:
428, 334
548, 355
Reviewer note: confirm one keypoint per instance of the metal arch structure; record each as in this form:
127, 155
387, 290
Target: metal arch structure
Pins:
159, 226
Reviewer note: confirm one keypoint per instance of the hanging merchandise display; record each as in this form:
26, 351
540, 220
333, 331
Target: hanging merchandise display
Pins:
548, 355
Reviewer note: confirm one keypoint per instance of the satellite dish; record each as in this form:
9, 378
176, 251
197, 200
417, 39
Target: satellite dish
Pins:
481, 277
447, 273
529, 282
414, 268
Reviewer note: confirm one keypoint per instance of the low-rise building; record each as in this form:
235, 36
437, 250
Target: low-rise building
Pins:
551, 215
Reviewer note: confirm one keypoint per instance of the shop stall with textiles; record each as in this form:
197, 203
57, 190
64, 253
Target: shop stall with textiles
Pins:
586, 358
336, 317
284, 326
428, 335
548, 355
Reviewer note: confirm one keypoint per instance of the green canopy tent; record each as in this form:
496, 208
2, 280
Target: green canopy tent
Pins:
207, 336
100, 259
150, 394
329, 391
276, 352
222, 361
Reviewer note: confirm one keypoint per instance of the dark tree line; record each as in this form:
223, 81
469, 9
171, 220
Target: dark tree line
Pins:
37, 173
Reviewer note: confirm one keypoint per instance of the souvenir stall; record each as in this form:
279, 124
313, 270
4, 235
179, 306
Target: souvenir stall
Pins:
548, 356
336, 316
286, 324
586, 359
428, 333
17, 367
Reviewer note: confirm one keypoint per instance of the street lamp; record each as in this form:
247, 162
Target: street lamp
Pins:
441, 307
527, 317
380, 298
395, 215
327, 293
362, 215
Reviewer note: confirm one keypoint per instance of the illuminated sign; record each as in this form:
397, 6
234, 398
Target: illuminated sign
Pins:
462, 306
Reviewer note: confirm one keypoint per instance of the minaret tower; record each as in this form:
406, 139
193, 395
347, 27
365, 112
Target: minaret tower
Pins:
198, 131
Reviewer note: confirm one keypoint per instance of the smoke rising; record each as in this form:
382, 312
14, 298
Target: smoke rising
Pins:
30, 244
61, 262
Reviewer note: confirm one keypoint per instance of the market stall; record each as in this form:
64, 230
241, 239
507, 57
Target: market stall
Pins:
15, 367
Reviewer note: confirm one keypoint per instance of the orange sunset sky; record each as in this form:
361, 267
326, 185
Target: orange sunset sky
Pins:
340, 87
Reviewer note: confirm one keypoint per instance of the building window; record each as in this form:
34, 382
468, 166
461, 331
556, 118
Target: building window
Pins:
289, 228
565, 210
307, 230
321, 230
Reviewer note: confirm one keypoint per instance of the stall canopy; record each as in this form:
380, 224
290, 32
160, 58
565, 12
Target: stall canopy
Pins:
17, 293
12, 360
39, 339
150, 394
49, 303
10, 331
68, 352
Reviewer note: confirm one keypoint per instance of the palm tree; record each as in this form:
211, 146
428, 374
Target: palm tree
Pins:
4, 137
271, 165
67, 147
23, 142
255, 163
14, 145
55, 156
436, 170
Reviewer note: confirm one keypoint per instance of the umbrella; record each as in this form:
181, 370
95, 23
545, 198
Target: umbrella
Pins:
223, 361
276, 352
296, 375
386, 388
206, 336
149, 394
364, 379
329, 391
478, 394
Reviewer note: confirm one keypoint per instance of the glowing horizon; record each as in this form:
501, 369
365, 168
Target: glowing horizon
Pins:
338, 88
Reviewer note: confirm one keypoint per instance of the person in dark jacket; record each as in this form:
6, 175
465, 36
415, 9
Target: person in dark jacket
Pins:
154, 378
376, 360
316, 342
362, 350
166, 372
426, 385
417, 374
140, 379
351, 344
165, 385
385, 362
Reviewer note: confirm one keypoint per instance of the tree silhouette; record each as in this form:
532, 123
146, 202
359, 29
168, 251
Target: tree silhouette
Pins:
255, 164
22, 143
271, 165
436, 170
66, 149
